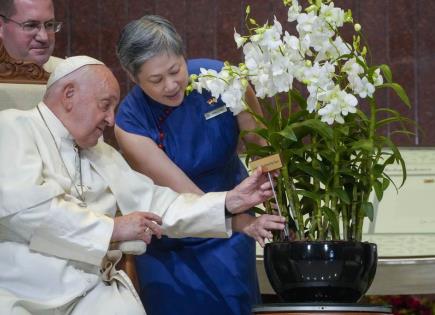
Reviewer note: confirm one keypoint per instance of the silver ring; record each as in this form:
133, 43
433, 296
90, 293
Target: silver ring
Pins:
146, 229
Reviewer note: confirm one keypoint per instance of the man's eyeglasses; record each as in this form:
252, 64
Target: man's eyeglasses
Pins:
33, 27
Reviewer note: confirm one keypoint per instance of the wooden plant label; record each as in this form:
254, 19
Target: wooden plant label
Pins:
268, 164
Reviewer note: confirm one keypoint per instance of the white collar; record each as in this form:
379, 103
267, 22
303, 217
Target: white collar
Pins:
60, 133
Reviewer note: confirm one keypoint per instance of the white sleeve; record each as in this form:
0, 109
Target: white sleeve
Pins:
61, 229
199, 216
72, 232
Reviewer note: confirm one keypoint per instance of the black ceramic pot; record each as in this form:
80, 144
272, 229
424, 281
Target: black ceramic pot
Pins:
320, 271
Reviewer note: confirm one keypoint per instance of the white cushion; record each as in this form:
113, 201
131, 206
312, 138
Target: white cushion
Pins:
25, 96
137, 247
20, 96
51, 64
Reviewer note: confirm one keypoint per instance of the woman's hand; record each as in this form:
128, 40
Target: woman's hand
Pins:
137, 225
259, 228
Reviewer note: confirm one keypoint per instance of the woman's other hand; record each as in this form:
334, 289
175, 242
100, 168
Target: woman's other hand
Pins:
259, 228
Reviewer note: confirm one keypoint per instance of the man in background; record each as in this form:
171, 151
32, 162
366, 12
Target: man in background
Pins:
27, 30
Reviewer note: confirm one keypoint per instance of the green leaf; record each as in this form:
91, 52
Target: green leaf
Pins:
307, 204
388, 121
389, 160
399, 91
288, 133
262, 132
362, 115
385, 184
332, 219
258, 210
398, 158
367, 207
274, 123
309, 194
403, 132
378, 187
254, 150
378, 169
342, 194
260, 118
295, 95
275, 140
324, 130
386, 71
342, 130
298, 116
312, 172
254, 146
364, 144
388, 110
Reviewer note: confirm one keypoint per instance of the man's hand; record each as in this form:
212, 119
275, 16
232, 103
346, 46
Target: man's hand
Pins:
137, 225
253, 190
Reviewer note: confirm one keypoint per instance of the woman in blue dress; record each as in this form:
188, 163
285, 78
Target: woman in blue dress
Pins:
188, 143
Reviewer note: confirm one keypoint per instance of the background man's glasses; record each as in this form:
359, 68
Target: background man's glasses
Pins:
33, 27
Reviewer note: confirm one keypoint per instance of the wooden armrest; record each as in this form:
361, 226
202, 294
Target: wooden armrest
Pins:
128, 264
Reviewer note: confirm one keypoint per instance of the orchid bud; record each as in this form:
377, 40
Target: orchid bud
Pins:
244, 83
248, 10
311, 8
348, 16
357, 27
188, 89
356, 42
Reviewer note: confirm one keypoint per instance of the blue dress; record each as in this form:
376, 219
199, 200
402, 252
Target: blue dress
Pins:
194, 275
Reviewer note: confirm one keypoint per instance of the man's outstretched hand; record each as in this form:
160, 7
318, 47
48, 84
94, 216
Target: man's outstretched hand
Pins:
253, 190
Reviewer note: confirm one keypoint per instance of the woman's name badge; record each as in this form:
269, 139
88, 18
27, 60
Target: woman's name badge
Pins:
215, 112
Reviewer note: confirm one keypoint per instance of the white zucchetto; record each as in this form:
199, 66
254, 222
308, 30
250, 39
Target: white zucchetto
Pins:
70, 65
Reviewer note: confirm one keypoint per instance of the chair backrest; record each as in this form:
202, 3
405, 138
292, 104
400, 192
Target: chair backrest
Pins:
22, 84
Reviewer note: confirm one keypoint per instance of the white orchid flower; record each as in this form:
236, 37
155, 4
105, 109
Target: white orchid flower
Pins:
233, 96
239, 39
294, 11
273, 59
333, 16
377, 77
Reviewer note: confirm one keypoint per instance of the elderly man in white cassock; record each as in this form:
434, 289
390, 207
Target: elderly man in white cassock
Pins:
60, 186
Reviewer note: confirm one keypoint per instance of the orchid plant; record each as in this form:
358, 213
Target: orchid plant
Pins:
310, 84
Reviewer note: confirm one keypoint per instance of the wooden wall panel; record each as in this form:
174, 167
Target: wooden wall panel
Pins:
399, 32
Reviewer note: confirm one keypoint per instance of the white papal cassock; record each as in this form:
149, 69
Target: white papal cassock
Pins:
51, 249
